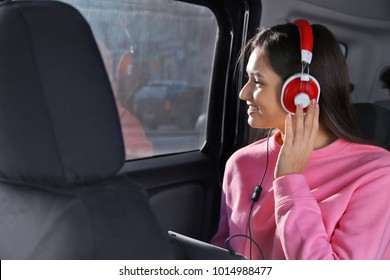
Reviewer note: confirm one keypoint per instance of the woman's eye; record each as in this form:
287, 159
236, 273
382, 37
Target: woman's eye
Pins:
258, 83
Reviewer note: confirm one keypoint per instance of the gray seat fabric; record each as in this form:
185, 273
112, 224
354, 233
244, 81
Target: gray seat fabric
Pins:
374, 122
61, 146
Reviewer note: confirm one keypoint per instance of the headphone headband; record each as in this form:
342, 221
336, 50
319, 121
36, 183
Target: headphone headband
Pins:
306, 39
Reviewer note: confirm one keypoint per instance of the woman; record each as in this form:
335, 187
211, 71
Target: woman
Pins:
325, 190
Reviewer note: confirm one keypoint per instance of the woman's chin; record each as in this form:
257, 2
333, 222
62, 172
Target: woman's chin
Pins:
254, 123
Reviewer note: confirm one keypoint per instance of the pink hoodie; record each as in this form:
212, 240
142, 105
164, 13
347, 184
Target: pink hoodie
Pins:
339, 208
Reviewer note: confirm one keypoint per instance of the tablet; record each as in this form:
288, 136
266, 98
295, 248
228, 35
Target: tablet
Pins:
194, 249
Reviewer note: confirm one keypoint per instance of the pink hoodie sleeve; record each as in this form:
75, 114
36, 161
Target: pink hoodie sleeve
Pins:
362, 232
223, 227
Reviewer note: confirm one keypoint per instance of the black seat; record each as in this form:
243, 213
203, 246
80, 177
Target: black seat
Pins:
374, 122
61, 146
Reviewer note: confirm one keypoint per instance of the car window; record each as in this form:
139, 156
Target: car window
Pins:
159, 56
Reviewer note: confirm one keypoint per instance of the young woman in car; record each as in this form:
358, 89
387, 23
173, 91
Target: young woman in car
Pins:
325, 190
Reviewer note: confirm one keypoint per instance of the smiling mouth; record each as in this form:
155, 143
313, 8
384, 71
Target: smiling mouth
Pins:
253, 109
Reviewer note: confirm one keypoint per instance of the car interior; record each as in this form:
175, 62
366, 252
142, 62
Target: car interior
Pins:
60, 196
81, 176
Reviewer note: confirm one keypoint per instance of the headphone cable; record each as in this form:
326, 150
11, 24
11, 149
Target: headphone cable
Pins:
255, 197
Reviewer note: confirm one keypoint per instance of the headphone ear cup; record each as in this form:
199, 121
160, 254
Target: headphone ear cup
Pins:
295, 92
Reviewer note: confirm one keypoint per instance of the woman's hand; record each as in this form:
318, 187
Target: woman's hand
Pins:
298, 143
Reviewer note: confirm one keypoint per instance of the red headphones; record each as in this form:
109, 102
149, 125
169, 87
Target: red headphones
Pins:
300, 88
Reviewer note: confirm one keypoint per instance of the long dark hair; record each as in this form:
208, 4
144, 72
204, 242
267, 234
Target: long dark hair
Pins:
281, 48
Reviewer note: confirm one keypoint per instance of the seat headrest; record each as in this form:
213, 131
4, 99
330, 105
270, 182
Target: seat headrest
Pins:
58, 120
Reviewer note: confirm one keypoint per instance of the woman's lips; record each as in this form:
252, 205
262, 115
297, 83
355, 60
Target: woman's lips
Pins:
252, 109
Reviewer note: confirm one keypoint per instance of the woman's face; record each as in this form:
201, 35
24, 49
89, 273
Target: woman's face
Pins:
262, 94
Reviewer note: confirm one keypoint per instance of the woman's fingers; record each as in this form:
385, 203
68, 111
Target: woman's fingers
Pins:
306, 124
288, 134
299, 138
299, 123
310, 119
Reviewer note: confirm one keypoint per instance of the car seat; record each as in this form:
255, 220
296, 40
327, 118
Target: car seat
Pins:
374, 122
61, 146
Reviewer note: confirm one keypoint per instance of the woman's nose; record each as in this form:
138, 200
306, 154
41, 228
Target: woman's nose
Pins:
244, 93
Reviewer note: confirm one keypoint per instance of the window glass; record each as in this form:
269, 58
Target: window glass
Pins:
159, 55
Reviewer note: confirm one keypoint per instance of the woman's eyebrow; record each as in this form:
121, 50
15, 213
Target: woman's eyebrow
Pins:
257, 74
